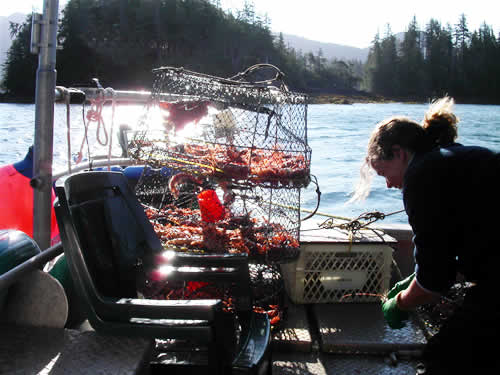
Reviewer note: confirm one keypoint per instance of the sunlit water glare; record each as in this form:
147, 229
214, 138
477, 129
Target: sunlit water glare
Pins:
337, 134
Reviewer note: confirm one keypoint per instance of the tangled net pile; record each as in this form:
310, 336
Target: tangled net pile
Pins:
225, 168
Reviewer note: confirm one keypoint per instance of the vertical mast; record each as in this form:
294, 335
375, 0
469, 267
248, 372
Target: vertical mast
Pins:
45, 45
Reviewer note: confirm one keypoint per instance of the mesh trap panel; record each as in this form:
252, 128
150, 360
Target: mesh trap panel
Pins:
267, 235
267, 284
233, 130
245, 140
333, 273
262, 222
152, 188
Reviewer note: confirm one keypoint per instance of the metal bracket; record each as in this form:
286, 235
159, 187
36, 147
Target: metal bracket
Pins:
36, 27
37, 22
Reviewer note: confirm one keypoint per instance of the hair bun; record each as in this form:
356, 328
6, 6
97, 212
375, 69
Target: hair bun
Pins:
440, 123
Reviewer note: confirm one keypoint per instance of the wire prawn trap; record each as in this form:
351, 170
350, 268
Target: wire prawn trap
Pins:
243, 142
227, 128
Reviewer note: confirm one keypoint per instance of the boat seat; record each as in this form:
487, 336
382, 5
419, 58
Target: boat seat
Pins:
113, 254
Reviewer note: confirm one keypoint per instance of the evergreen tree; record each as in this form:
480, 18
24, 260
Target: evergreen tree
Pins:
320, 62
461, 42
20, 66
438, 57
482, 46
389, 65
461, 34
77, 61
372, 80
411, 72
121, 41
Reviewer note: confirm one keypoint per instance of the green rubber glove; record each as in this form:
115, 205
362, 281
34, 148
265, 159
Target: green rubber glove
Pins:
401, 285
394, 316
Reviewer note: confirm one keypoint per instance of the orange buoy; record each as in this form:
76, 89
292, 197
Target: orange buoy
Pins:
16, 201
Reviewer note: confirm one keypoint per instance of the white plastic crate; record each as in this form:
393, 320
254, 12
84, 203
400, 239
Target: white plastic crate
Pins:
329, 269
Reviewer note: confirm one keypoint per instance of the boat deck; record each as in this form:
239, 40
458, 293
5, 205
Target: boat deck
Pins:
315, 338
328, 364
348, 338
56, 351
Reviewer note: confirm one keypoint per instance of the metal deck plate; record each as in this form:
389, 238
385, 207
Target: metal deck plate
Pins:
360, 328
335, 364
294, 336
298, 364
54, 351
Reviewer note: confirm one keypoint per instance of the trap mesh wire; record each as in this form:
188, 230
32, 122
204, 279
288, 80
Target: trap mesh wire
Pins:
266, 232
266, 283
245, 140
232, 130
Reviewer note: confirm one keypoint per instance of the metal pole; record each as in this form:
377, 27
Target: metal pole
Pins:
126, 96
35, 263
44, 124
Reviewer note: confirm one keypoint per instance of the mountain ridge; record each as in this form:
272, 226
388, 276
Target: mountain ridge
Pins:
329, 50
304, 45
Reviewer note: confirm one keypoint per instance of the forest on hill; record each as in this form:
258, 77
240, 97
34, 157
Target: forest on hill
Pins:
436, 61
121, 41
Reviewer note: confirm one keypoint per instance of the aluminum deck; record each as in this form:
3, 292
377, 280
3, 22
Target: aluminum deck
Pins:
345, 339
56, 351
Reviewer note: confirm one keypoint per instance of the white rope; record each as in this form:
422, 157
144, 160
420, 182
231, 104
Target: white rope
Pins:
94, 114
113, 103
68, 127
67, 100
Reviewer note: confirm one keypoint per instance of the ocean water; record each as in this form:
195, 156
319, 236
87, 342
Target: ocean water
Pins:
337, 134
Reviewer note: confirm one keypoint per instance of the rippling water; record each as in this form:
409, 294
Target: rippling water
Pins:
338, 135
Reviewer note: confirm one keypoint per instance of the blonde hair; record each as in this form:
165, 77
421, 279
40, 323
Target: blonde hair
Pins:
362, 189
440, 123
438, 128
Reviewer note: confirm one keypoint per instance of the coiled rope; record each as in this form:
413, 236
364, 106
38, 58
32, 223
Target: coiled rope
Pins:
354, 226
94, 114
361, 222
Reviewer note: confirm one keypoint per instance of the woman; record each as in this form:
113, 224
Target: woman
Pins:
450, 194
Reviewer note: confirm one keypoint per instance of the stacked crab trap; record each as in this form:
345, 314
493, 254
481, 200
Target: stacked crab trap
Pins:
226, 161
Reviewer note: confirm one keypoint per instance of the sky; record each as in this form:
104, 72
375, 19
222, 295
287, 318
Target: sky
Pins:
349, 22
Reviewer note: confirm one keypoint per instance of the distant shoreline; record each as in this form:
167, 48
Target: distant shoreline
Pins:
378, 99
347, 99
320, 99
313, 99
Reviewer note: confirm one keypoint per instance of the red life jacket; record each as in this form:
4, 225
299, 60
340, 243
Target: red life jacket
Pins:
16, 203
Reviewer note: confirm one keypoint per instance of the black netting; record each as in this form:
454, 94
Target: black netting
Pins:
266, 283
268, 289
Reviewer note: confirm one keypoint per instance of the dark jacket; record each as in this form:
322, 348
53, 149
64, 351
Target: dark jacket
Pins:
451, 196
